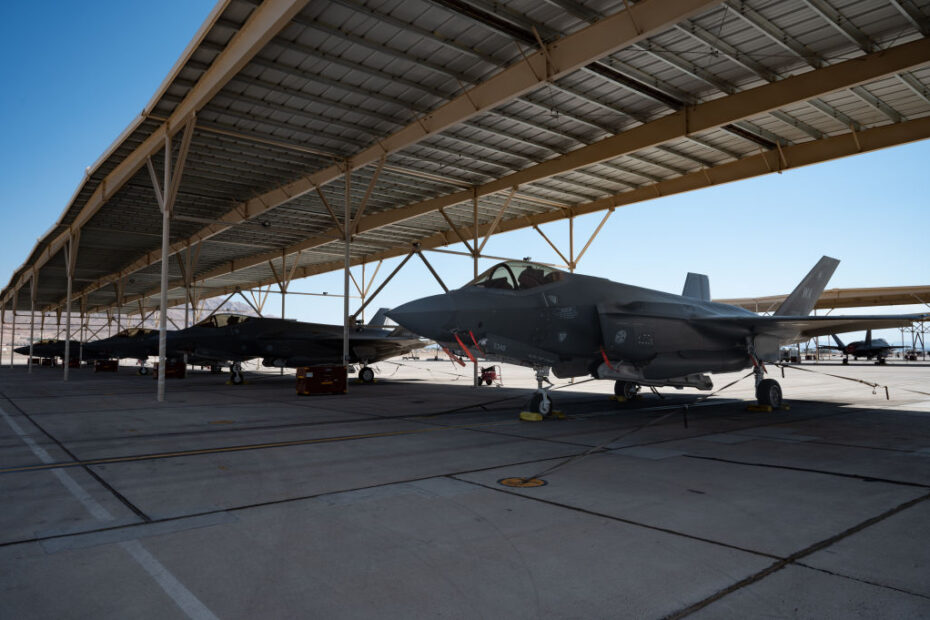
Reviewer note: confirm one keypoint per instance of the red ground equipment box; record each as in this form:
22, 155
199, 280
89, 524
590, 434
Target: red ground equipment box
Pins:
321, 380
106, 365
74, 363
173, 370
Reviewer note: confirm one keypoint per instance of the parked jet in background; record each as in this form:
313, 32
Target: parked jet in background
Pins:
286, 343
50, 348
579, 325
868, 348
136, 343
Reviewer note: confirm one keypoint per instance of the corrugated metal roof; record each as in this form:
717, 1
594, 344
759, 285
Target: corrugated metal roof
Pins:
330, 79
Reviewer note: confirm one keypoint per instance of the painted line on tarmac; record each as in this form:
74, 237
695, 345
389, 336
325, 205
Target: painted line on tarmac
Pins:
240, 448
182, 597
298, 442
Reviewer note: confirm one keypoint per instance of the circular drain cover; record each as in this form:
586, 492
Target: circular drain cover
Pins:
522, 482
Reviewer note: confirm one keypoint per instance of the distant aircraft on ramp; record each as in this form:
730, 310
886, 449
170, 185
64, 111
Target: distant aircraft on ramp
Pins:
868, 348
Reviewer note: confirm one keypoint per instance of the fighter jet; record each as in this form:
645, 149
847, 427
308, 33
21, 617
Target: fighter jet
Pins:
868, 348
286, 343
579, 325
135, 343
50, 348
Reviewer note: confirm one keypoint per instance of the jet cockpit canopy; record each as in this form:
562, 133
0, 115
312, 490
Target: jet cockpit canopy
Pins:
132, 332
517, 275
222, 320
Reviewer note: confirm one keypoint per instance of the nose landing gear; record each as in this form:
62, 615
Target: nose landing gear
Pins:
235, 374
540, 404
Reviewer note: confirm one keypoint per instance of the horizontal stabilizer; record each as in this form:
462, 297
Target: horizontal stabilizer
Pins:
803, 327
802, 299
697, 286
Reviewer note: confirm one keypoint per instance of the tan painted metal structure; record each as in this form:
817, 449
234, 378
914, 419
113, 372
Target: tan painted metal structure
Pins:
433, 136
844, 298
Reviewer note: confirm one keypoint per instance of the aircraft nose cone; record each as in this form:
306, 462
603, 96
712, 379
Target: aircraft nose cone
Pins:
427, 317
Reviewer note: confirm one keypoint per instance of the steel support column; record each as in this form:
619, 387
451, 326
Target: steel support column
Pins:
2, 321
347, 226
13, 326
71, 250
475, 254
165, 196
33, 289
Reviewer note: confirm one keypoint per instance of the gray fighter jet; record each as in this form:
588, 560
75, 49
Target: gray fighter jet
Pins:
50, 348
133, 343
579, 325
286, 343
868, 348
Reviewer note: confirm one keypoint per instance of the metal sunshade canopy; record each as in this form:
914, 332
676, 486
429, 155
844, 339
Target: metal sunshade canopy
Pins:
461, 118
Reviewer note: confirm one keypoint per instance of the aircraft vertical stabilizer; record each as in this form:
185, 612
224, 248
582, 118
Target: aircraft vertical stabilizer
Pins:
697, 286
802, 299
378, 319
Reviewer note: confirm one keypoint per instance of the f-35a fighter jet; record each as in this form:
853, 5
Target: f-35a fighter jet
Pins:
578, 325
50, 348
286, 343
134, 343
868, 348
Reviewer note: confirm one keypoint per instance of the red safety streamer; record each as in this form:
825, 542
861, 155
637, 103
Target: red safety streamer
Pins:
464, 348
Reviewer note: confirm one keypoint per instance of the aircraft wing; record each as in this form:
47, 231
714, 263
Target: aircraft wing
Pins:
803, 327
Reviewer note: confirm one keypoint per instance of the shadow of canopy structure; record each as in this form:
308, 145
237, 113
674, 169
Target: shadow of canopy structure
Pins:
294, 138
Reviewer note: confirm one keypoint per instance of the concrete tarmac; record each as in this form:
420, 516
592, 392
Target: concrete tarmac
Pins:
251, 501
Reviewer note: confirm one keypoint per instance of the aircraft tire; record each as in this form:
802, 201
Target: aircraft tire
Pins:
367, 375
143, 371
626, 389
540, 405
768, 392
236, 378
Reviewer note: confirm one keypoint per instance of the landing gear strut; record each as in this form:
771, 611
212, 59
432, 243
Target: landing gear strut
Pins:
768, 392
626, 389
366, 375
540, 402
235, 374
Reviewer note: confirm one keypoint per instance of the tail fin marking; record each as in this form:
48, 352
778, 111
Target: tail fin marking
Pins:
802, 299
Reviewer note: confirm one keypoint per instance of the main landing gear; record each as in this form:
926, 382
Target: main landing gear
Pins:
626, 389
366, 375
235, 374
768, 392
143, 369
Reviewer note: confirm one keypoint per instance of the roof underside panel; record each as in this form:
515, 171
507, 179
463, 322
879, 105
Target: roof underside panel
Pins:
338, 77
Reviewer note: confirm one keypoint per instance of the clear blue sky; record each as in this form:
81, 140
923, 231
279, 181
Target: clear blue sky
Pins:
77, 74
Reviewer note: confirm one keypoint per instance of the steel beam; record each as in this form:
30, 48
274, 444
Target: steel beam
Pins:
692, 119
766, 162
263, 24
561, 57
